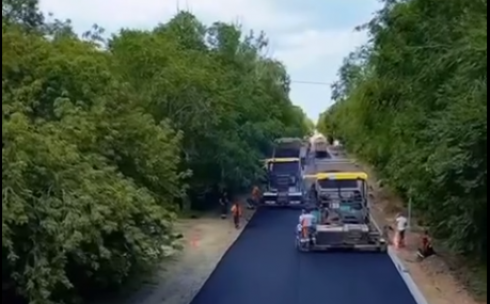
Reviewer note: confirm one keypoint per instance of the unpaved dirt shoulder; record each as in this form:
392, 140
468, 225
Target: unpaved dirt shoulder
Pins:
433, 276
205, 242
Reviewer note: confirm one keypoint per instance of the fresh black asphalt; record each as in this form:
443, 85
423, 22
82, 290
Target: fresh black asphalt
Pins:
264, 267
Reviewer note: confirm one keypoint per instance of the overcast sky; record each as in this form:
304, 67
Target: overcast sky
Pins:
310, 36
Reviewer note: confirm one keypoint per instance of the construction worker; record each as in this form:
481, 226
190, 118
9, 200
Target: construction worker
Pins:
300, 227
307, 220
224, 202
401, 227
426, 250
307, 223
236, 212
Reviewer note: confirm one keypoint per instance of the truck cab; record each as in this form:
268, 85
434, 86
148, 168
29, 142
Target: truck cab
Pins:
285, 183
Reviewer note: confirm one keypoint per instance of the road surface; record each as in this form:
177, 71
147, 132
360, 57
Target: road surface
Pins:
263, 267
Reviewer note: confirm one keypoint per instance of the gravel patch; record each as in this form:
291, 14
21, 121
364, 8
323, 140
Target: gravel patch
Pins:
205, 242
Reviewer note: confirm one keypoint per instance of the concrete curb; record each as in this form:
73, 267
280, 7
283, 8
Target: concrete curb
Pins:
403, 272
407, 278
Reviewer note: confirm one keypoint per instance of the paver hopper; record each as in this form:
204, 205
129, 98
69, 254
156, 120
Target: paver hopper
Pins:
287, 147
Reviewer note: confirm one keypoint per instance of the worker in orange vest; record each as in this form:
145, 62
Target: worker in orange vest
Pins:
236, 211
307, 222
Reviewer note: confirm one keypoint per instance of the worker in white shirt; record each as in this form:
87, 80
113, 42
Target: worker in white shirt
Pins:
307, 222
401, 222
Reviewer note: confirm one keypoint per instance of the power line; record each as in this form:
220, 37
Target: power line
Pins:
311, 82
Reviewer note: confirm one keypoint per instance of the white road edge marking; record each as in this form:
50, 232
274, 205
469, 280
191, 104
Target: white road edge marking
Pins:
403, 271
400, 267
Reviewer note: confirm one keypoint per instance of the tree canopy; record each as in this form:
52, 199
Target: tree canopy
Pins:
102, 139
413, 103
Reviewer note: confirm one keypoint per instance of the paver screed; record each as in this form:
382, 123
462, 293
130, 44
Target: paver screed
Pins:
263, 267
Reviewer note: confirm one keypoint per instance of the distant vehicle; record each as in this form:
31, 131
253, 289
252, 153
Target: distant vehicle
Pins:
344, 221
319, 146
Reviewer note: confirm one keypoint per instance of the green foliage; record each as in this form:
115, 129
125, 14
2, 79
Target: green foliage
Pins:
101, 142
229, 101
413, 102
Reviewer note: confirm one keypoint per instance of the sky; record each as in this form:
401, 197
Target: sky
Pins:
311, 37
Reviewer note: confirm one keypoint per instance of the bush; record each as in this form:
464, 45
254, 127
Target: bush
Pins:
102, 139
413, 103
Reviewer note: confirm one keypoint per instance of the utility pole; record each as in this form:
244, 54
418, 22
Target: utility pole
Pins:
409, 209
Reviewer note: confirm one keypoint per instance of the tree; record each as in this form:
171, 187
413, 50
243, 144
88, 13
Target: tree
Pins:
101, 144
217, 73
413, 103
